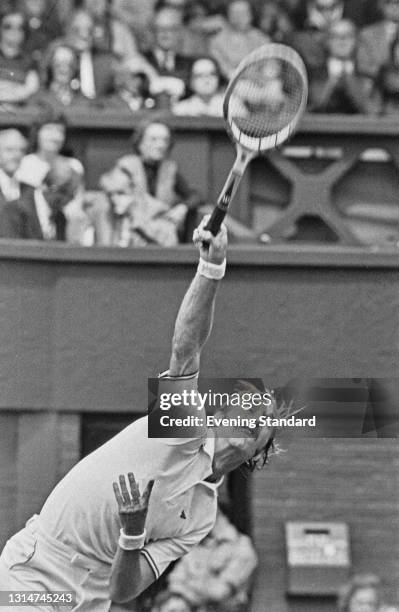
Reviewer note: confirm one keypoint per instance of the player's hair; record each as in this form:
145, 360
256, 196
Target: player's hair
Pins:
358, 582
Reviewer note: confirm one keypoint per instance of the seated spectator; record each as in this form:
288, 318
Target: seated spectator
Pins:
132, 217
43, 26
60, 83
110, 32
237, 38
217, 573
362, 593
274, 21
376, 40
360, 12
337, 87
171, 68
19, 79
201, 25
39, 214
155, 173
95, 67
207, 99
48, 144
310, 41
13, 147
387, 83
138, 15
132, 90
49, 137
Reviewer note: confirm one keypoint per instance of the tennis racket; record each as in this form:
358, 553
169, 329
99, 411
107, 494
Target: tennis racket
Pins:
264, 101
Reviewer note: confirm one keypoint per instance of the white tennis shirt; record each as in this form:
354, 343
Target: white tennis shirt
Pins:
82, 511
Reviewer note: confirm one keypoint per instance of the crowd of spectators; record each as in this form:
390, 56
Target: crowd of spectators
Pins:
179, 54
172, 56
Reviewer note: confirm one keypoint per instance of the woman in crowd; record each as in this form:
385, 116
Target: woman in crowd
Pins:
60, 83
19, 79
206, 99
48, 142
154, 172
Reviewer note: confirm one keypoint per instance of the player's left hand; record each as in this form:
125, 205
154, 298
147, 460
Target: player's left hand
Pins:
132, 506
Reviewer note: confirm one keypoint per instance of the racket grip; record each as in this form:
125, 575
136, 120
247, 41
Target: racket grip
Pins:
215, 221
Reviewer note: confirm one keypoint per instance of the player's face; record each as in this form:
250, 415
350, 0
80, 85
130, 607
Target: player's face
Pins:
364, 600
155, 142
246, 443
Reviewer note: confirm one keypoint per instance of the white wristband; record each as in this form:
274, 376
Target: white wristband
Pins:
211, 270
131, 542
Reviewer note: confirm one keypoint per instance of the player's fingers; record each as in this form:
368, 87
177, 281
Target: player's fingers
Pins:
147, 493
134, 488
125, 492
117, 494
204, 221
205, 236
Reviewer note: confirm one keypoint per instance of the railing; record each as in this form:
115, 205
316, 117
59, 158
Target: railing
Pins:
337, 180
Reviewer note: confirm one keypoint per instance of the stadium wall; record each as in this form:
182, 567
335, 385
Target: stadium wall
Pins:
81, 330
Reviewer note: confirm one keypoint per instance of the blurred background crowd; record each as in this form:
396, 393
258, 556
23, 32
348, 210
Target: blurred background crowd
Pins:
172, 56
178, 54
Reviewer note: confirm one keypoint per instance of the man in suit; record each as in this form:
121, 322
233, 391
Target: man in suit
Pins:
171, 67
337, 87
376, 40
95, 67
40, 214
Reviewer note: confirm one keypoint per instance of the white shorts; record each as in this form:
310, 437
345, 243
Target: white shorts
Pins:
33, 561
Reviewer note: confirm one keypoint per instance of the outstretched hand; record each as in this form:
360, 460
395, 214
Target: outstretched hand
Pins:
215, 251
132, 507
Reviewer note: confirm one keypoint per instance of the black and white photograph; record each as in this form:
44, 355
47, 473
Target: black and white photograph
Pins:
199, 305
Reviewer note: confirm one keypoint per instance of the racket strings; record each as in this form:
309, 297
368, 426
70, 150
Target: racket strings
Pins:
265, 97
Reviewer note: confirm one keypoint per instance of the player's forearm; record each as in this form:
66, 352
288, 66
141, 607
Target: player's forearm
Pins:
130, 576
193, 325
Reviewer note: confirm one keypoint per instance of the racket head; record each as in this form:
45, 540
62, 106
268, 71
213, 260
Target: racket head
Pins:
266, 97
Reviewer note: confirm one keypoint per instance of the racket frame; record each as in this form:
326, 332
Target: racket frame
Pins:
248, 147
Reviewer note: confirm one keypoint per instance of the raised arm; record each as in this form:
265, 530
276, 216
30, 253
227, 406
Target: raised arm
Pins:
195, 317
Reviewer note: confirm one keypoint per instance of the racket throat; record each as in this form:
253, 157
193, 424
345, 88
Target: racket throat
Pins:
233, 180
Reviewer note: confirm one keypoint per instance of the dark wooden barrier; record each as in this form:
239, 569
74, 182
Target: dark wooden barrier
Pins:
337, 179
82, 329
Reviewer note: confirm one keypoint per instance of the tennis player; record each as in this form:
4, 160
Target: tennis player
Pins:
124, 513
